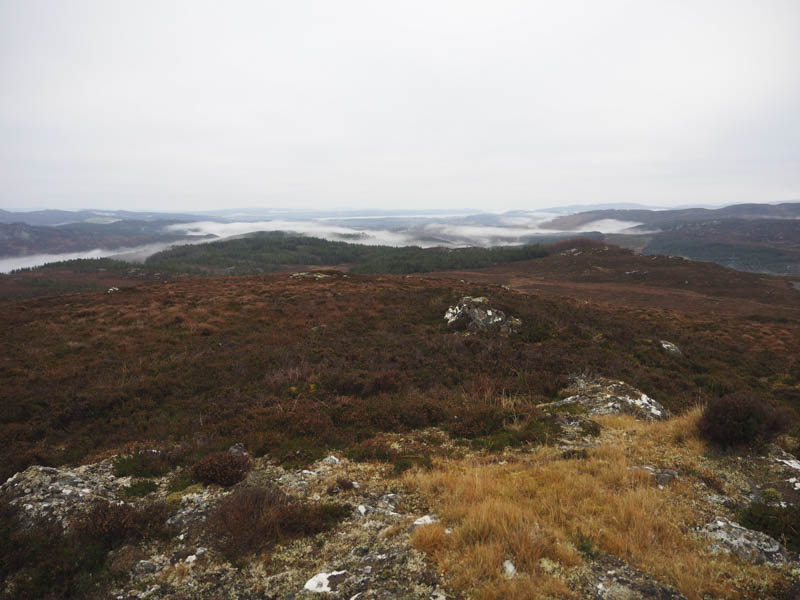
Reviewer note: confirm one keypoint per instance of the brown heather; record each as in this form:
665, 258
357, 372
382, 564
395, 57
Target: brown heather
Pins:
293, 368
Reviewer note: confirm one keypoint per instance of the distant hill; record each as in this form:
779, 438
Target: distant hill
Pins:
573, 222
20, 239
62, 217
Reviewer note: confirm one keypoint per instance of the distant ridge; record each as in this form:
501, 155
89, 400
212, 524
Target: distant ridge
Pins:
788, 210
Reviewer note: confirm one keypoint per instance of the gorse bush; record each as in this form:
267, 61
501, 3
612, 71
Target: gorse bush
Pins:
222, 468
740, 419
254, 518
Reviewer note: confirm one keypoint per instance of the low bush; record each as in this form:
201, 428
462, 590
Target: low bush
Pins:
475, 420
401, 464
370, 450
114, 524
180, 481
342, 484
222, 468
140, 488
377, 450
782, 523
740, 419
254, 518
143, 463
46, 562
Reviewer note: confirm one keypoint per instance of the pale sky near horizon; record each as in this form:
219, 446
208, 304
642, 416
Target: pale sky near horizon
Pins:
192, 105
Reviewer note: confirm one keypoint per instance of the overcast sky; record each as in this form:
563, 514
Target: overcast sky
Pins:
496, 105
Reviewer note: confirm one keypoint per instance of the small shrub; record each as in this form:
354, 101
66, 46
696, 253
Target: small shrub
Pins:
739, 419
140, 488
401, 464
113, 524
144, 463
475, 420
110, 524
533, 431
771, 496
46, 562
586, 545
371, 450
575, 453
254, 518
710, 479
222, 468
590, 428
782, 523
343, 484
180, 481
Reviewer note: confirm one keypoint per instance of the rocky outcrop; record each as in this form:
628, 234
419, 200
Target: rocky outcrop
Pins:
368, 555
602, 396
49, 494
754, 546
476, 314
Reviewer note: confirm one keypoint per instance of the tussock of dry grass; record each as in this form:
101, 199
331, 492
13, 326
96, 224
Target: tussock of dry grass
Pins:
544, 507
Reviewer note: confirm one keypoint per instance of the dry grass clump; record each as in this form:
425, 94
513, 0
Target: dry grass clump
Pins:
430, 539
544, 507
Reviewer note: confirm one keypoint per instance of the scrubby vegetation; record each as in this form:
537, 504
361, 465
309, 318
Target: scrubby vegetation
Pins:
252, 519
142, 463
47, 562
295, 367
741, 418
222, 468
140, 488
780, 522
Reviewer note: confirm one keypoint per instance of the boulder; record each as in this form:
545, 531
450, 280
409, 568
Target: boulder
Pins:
475, 314
602, 396
731, 538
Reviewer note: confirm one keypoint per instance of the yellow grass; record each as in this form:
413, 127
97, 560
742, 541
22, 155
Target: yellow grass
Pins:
541, 506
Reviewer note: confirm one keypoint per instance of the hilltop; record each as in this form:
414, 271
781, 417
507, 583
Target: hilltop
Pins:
466, 430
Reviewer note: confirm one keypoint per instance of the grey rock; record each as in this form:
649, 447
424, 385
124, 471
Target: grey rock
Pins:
145, 566
731, 538
602, 396
475, 314
665, 476
239, 449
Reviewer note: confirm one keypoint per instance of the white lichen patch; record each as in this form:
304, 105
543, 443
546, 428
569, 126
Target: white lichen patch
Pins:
321, 582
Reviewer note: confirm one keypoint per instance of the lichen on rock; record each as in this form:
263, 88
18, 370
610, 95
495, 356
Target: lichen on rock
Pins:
475, 314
